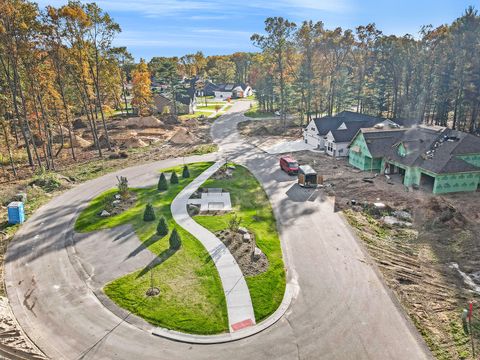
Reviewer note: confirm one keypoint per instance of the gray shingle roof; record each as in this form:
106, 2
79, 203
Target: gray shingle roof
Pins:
379, 141
353, 121
431, 149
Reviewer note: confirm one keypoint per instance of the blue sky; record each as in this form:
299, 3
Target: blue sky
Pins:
177, 27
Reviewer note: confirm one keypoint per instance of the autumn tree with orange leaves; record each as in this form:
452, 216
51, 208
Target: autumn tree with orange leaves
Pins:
141, 89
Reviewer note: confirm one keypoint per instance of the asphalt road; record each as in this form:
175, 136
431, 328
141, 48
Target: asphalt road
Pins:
342, 309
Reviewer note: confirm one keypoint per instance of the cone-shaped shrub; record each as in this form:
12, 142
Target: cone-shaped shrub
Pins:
175, 240
186, 172
162, 227
149, 213
162, 182
174, 178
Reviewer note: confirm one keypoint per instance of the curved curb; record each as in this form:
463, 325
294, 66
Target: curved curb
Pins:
290, 291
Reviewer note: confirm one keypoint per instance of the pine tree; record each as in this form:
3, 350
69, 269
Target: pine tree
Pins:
186, 172
174, 178
175, 240
149, 213
162, 182
162, 227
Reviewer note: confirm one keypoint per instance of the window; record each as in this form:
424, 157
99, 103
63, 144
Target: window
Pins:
312, 128
329, 147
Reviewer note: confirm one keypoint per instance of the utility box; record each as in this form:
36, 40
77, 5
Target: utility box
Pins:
16, 212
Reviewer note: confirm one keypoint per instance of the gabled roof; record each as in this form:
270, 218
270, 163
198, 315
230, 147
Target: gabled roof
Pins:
416, 141
433, 149
353, 121
326, 124
230, 87
442, 156
378, 141
347, 135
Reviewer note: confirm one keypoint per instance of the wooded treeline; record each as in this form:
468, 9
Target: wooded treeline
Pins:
434, 79
57, 64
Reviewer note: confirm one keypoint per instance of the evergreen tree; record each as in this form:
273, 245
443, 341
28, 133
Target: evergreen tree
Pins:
174, 178
175, 241
186, 172
149, 213
162, 227
162, 182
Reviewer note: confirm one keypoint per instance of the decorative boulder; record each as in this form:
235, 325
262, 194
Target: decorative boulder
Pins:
242, 230
257, 253
246, 237
104, 213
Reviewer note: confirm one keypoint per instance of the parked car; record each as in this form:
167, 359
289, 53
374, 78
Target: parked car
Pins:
289, 165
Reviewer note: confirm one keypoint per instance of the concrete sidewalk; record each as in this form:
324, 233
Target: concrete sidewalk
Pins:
237, 295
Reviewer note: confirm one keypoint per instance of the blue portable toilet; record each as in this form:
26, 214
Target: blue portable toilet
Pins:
16, 212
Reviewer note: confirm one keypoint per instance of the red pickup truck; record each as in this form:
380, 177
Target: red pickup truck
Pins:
289, 165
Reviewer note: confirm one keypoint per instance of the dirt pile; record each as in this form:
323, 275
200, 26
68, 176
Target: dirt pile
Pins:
144, 122
133, 142
183, 137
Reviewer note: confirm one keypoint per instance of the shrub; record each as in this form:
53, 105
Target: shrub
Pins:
162, 227
107, 203
175, 241
46, 180
122, 186
234, 223
162, 182
149, 213
186, 172
174, 178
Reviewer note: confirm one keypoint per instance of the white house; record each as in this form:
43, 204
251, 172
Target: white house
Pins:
334, 133
234, 91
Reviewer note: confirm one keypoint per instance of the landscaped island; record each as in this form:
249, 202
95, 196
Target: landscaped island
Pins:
253, 211
190, 297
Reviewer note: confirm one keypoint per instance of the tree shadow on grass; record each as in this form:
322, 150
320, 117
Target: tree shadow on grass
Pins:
144, 245
160, 259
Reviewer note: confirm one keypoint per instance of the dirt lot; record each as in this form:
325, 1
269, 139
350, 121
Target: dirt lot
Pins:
416, 261
271, 127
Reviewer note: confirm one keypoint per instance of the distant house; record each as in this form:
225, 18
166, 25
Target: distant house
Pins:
440, 159
207, 89
186, 102
334, 133
234, 91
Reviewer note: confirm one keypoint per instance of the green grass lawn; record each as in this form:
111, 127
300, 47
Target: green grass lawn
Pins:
194, 116
210, 106
191, 295
252, 206
255, 113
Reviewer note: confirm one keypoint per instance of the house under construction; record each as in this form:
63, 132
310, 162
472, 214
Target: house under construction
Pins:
436, 158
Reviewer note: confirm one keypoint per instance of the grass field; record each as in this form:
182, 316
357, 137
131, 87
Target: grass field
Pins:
252, 206
191, 295
255, 113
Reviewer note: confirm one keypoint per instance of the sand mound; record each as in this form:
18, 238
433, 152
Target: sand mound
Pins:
183, 136
133, 142
144, 122
80, 142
